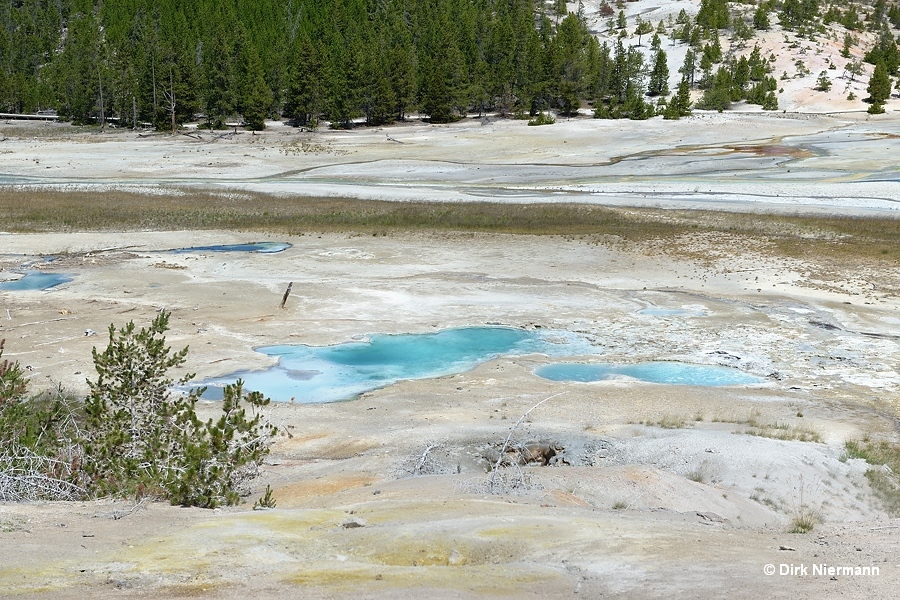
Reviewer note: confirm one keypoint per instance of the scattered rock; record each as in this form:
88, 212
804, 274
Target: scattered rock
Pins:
353, 523
711, 517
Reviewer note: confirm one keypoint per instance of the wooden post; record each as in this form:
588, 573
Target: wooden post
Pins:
287, 293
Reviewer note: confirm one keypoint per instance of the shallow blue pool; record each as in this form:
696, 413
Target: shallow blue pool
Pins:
258, 247
311, 374
653, 372
35, 280
655, 311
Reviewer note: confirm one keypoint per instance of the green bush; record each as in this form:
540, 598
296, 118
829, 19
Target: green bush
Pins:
12, 381
885, 460
542, 119
133, 436
143, 439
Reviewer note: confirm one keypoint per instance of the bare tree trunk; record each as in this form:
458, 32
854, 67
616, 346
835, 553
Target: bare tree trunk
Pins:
153, 74
102, 113
172, 106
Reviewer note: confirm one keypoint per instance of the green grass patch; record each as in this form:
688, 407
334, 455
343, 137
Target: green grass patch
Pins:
666, 422
785, 431
805, 521
778, 430
883, 476
671, 422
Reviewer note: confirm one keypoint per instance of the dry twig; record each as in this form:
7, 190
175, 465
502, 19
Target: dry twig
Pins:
512, 430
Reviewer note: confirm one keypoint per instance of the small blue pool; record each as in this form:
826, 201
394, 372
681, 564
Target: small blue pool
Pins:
258, 247
35, 280
655, 311
653, 372
311, 374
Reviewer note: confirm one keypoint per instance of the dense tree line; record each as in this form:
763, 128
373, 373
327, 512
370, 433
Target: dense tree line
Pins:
162, 61
166, 61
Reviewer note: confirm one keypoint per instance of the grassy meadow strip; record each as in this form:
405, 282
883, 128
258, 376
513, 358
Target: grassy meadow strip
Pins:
39, 210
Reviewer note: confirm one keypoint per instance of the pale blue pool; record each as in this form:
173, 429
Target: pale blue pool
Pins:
654, 311
653, 372
35, 280
311, 374
257, 247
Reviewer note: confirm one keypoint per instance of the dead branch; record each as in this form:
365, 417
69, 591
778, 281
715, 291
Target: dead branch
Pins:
121, 514
41, 322
421, 462
509, 437
26, 475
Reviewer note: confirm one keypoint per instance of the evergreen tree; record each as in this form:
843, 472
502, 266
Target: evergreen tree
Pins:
713, 14
642, 28
680, 104
255, 97
706, 66
758, 67
797, 12
718, 95
659, 76
79, 70
885, 51
688, 67
305, 98
761, 17
441, 72
218, 76
879, 88
162, 61
570, 44
740, 77
142, 439
400, 64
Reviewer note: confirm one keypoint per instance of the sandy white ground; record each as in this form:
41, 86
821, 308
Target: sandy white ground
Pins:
676, 538
702, 508
786, 163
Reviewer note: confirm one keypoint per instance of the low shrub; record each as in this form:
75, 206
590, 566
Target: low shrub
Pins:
133, 436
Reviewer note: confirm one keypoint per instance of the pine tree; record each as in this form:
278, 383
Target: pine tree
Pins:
255, 97
659, 76
879, 88
680, 104
761, 17
689, 67
718, 95
713, 14
141, 438
219, 76
305, 98
569, 52
758, 67
642, 28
